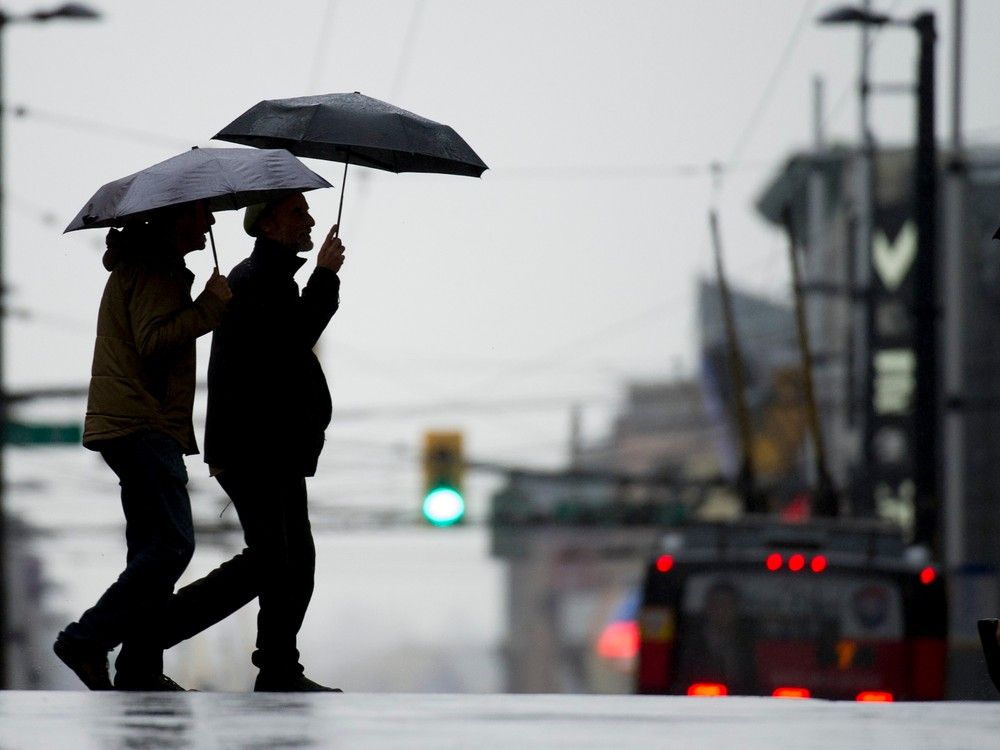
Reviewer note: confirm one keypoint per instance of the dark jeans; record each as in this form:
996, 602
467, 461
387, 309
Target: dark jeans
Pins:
160, 539
280, 556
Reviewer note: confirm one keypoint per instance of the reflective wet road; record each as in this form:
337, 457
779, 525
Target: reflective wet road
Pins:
80, 721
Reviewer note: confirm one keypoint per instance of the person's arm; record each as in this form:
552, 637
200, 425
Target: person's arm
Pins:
321, 296
163, 318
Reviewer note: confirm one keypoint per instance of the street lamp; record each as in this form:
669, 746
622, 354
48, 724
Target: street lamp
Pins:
926, 420
79, 12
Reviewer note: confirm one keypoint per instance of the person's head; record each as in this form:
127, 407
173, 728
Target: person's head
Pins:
185, 225
173, 231
286, 221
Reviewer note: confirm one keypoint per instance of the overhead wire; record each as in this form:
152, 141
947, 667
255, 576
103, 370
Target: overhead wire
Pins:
104, 129
765, 99
403, 60
319, 57
719, 170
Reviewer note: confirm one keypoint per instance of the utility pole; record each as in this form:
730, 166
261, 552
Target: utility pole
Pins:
926, 412
919, 417
861, 388
952, 348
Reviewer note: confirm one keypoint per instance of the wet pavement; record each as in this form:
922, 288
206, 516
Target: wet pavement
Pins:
80, 720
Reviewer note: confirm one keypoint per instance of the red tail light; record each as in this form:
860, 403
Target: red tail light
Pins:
927, 575
708, 689
774, 561
796, 563
619, 640
791, 692
664, 563
874, 696
818, 564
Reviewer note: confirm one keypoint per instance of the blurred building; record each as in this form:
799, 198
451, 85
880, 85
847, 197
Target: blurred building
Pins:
860, 315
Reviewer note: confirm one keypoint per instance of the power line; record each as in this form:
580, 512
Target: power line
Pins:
322, 45
104, 129
406, 48
615, 171
470, 405
769, 89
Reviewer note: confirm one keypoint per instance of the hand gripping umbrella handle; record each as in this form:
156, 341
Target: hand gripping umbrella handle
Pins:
343, 184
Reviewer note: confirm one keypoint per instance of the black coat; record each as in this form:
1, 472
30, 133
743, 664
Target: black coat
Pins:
268, 401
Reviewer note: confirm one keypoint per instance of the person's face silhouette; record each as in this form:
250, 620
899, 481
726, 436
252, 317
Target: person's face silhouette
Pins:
289, 223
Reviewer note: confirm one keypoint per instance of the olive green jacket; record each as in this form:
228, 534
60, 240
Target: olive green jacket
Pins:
143, 375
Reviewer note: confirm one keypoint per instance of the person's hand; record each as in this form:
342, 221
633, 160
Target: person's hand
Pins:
218, 286
331, 254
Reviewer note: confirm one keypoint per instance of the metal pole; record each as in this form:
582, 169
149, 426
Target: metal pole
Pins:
954, 322
816, 194
816, 261
861, 389
343, 188
4, 611
926, 414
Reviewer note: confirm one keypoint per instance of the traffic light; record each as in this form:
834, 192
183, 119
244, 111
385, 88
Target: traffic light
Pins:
443, 503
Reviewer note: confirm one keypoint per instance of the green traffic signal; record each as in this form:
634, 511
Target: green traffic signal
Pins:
443, 506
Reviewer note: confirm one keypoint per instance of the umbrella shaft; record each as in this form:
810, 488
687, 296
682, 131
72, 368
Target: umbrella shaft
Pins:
215, 256
343, 186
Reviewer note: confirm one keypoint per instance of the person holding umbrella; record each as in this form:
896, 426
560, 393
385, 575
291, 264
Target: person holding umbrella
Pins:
139, 407
139, 418
268, 408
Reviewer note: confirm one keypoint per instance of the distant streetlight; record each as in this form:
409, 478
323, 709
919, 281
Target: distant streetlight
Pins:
926, 420
70, 11
850, 14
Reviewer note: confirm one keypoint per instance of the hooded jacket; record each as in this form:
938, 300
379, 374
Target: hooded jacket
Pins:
143, 373
268, 400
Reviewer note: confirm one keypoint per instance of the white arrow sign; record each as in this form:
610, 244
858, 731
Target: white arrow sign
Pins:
893, 260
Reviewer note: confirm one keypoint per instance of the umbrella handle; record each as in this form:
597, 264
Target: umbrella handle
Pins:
215, 256
343, 184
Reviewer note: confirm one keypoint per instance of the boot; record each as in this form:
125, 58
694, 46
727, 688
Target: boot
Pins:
278, 682
90, 663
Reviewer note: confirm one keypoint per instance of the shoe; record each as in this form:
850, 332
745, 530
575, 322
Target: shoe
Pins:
159, 684
89, 663
991, 649
289, 683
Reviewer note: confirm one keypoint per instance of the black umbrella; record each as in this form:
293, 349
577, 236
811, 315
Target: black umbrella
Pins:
229, 178
354, 129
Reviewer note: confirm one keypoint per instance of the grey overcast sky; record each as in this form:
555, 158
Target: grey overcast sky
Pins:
567, 270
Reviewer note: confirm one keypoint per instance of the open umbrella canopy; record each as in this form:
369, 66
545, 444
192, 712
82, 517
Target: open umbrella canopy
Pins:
229, 178
355, 129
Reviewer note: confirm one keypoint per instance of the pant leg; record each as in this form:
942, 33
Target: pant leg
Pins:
301, 553
262, 501
160, 537
210, 600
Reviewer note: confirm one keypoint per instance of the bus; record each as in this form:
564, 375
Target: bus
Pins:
834, 609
